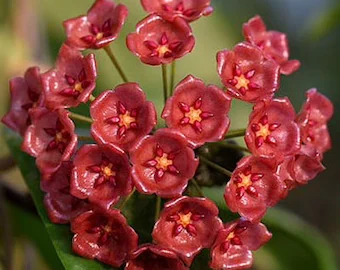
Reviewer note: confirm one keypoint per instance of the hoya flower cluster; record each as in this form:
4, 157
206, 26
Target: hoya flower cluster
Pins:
88, 185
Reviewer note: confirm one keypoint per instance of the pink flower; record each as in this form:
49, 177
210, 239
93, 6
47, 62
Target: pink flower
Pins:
199, 112
103, 235
272, 131
190, 10
246, 73
187, 225
158, 41
274, 44
26, 93
234, 243
122, 116
61, 206
163, 164
98, 28
50, 138
72, 81
253, 187
101, 174
149, 256
312, 120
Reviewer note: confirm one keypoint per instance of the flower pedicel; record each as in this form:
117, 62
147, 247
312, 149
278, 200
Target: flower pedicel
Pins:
90, 186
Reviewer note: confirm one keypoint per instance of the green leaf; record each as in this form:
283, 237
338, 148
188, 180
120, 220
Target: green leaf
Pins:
60, 235
295, 244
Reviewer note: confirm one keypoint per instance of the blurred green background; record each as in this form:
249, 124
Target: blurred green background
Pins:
31, 33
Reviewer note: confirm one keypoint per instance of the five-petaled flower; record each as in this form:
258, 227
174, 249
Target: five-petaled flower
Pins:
274, 44
26, 93
72, 81
149, 256
187, 225
103, 235
234, 243
98, 28
271, 131
199, 112
158, 41
50, 139
122, 116
247, 74
189, 10
163, 164
101, 174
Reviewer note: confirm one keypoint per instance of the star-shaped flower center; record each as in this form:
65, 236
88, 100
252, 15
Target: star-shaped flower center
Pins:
263, 131
243, 81
76, 85
244, 182
163, 47
105, 172
60, 135
185, 221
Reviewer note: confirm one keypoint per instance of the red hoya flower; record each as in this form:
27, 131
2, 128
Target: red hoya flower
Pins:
122, 116
253, 187
72, 81
61, 206
26, 93
154, 257
234, 243
312, 120
246, 74
187, 225
190, 10
103, 235
50, 138
199, 112
163, 164
273, 43
301, 168
158, 41
272, 131
101, 174
98, 28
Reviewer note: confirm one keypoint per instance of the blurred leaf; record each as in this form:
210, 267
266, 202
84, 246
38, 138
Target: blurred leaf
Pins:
60, 235
325, 23
295, 244
36, 233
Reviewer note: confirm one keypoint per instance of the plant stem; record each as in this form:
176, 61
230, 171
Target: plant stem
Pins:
85, 138
234, 146
80, 117
165, 81
158, 207
215, 166
92, 98
127, 198
198, 188
235, 133
115, 63
172, 79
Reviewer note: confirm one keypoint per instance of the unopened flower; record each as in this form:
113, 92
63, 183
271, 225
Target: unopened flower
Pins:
26, 93
312, 120
98, 28
103, 235
163, 164
272, 131
189, 10
149, 256
61, 206
199, 112
187, 225
50, 139
101, 174
234, 243
158, 41
247, 74
72, 81
273, 43
253, 187
122, 116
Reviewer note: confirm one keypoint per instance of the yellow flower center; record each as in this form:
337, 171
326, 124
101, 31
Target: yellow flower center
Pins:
194, 115
241, 82
126, 119
185, 219
163, 162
